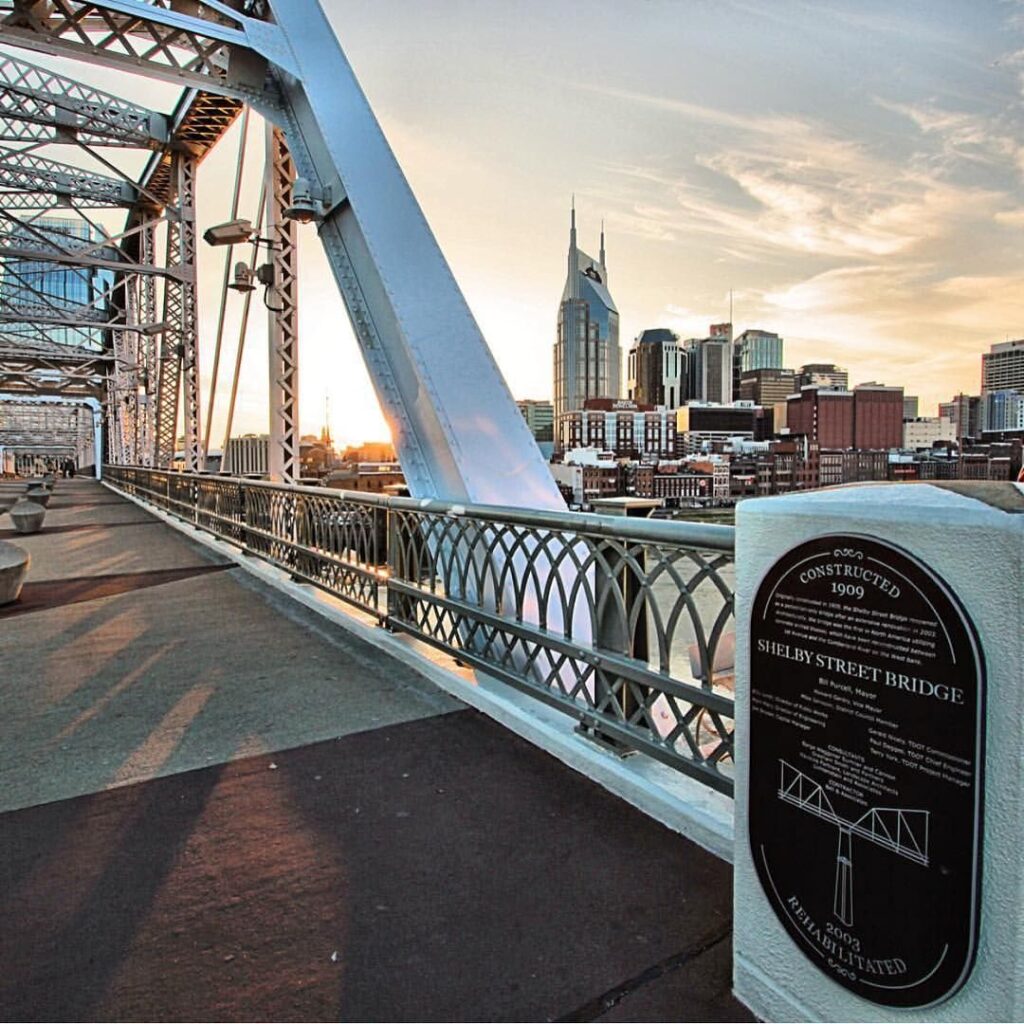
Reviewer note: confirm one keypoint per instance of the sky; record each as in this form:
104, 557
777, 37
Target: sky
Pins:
851, 171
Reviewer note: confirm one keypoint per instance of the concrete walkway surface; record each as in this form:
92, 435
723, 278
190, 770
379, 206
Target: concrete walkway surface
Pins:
215, 804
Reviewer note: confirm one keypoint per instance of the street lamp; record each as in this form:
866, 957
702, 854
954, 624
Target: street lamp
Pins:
232, 232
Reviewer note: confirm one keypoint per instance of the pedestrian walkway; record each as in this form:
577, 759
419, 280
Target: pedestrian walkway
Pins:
215, 804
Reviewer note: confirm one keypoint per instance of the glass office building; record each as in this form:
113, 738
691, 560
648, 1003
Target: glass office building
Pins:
588, 360
38, 286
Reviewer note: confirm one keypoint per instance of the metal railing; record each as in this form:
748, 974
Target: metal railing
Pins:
624, 624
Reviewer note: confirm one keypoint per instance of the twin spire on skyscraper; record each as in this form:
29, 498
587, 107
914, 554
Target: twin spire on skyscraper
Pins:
579, 261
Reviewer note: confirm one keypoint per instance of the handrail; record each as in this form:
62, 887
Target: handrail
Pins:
707, 536
624, 624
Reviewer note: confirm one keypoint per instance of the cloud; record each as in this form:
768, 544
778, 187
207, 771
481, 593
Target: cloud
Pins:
1011, 218
966, 136
715, 116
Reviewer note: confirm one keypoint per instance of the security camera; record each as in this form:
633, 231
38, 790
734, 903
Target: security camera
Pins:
233, 232
242, 278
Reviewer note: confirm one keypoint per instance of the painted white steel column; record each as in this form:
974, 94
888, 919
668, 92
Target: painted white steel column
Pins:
457, 430
978, 550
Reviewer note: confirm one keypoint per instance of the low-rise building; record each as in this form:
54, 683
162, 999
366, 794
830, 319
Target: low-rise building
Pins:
924, 432
540, 417
248, 455
621, 426
369, 477
707, 426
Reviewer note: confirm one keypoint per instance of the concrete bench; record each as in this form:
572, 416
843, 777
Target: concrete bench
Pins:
14, 563
27, 516
39, 495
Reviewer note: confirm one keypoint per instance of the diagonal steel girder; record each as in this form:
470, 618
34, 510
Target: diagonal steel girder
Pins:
53, 316
53, 377
25, 301
38, 334
40, 182
20, 242
22, 345
38, 105
23, 252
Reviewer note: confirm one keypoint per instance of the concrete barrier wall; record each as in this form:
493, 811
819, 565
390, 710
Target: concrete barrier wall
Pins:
977, 548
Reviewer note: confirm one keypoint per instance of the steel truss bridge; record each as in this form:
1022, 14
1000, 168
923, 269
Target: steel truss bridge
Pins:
131, 339
622, 627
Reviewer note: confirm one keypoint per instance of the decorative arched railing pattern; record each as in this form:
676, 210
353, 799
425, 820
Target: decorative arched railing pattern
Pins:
625, 624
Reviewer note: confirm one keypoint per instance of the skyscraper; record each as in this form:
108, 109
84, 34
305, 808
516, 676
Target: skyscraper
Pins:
1002, 367
759, 350
588, 361
766, 386
37, 286
710, 365
657, 369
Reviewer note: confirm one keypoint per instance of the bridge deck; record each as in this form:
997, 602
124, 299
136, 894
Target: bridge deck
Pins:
216, 805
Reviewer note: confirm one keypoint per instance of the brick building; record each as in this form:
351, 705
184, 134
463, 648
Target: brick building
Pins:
823, 415
877, 417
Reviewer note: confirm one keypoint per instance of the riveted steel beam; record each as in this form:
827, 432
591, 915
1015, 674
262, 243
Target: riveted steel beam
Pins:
210, 48
452, 416
34, 181
35, 98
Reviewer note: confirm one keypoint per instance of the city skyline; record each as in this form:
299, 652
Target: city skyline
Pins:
842, 202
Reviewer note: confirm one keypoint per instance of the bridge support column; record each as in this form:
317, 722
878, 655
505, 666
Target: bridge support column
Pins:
880, 654
180, 348
283, 324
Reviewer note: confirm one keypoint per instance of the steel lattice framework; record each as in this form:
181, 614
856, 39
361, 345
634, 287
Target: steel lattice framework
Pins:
50, 426
457, 430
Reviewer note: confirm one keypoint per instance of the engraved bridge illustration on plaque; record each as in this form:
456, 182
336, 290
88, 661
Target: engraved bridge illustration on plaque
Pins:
904, 832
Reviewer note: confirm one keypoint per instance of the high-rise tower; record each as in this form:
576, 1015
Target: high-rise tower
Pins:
588, 361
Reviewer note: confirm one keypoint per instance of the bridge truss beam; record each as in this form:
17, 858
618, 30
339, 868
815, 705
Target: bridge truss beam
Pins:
34, 182
452, 416
38, 105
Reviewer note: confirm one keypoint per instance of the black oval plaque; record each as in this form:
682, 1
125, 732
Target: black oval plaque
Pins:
866, 759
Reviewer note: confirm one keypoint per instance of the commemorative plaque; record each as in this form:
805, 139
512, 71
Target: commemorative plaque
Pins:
866, 759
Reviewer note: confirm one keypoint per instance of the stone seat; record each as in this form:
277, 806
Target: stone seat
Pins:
40, 495
27, 516
14, 563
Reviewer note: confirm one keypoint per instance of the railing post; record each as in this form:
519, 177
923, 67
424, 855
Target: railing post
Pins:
395, 565
613, 632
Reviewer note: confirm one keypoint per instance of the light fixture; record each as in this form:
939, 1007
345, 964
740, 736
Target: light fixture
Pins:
232, 232
305, 206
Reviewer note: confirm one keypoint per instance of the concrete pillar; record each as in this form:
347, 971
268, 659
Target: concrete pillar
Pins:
879, 726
